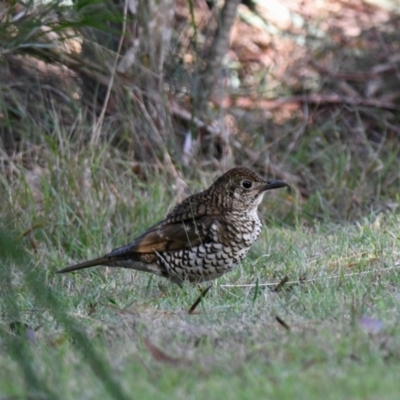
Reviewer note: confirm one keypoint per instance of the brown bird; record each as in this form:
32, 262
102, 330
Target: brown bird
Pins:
203, 237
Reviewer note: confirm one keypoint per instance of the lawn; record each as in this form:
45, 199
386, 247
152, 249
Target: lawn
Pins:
311, 312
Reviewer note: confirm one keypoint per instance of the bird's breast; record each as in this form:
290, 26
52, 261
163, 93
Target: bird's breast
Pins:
228, 241
240, 230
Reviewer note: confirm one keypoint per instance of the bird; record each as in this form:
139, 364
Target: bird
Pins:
203, 237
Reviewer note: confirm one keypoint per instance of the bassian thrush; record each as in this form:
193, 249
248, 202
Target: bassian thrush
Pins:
203, 237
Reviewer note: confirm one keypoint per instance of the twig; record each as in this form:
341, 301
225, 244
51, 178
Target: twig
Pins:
317, 99
187, 116
136, 94
353, 76
250, 285
99, 124
282, 322
282, 283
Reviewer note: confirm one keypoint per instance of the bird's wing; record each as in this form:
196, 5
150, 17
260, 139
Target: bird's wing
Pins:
169, 236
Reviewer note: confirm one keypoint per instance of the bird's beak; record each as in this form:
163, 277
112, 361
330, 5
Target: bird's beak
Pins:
272, 185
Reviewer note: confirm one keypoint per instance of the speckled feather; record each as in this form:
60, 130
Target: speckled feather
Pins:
203, 237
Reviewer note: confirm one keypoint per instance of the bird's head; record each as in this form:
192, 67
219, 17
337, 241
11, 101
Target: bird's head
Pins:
241, 189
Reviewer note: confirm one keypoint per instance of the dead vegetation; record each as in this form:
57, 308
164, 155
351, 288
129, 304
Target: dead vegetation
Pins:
305, 89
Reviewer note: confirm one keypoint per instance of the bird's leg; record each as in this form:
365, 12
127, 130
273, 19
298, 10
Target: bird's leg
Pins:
203, 292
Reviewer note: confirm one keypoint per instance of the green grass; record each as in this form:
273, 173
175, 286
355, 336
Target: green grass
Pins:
330, 332
95, 334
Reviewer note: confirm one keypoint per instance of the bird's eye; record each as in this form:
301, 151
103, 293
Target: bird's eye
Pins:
246, 184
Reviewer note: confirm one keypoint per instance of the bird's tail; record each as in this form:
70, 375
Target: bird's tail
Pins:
86, 264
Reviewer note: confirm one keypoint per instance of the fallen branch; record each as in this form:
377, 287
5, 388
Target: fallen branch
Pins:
375, 72
314, 99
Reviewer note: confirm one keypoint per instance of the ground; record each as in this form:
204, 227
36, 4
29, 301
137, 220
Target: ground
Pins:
330, 329
311, 312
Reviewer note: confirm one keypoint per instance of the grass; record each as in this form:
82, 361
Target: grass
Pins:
331, 331
106, 333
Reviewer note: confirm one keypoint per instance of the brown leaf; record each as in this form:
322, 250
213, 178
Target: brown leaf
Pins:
162, 357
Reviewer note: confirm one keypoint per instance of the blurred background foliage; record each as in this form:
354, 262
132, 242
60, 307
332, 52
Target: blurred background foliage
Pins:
303, 91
